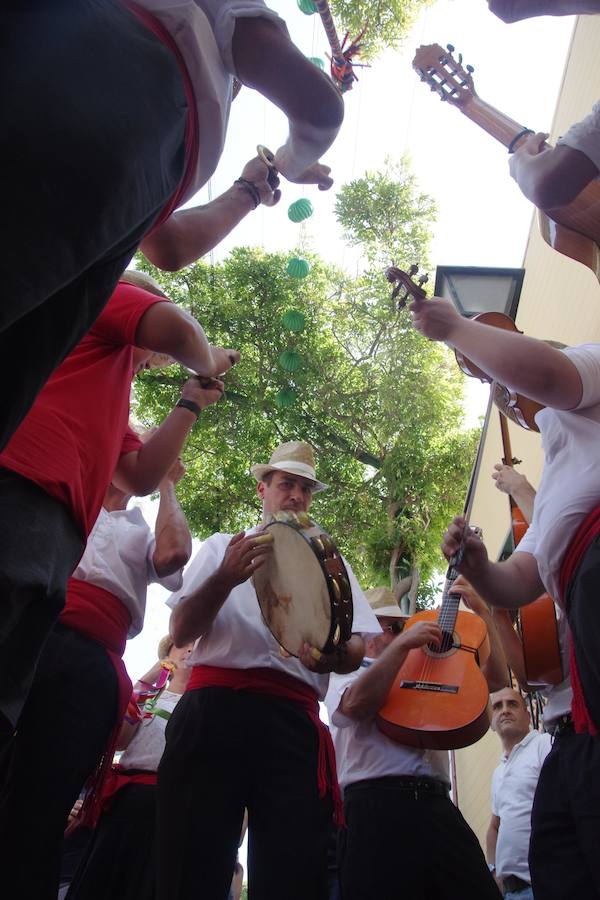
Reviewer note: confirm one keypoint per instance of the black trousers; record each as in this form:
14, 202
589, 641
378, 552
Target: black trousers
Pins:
227, 750
565, 821
62, 732
583, 613
92, 147
119, 862
40, 546
400, 847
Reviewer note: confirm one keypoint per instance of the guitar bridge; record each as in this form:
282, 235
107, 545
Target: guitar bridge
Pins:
430, 686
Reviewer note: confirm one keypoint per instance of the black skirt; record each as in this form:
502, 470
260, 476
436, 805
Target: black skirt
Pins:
91, 149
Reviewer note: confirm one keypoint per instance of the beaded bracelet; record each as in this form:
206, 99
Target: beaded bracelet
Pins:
250, 189
517, 137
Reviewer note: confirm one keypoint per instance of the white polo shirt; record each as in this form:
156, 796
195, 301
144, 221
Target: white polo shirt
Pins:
238, 638
362, 751
570, 484
513, 785
119, 558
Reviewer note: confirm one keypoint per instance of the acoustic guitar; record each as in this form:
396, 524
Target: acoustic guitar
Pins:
574, 229
440, 698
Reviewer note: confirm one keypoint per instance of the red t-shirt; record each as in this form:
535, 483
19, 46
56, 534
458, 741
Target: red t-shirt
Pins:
70, 441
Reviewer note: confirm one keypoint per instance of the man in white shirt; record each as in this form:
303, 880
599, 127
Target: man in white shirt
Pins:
514, 783
559, 554
247, 733
123, 121
404, 838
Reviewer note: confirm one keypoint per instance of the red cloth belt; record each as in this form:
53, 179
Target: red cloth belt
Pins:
191, 143
100, 616
119, 778
584, 536
286, 687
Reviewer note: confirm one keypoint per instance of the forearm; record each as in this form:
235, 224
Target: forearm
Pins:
495, 668
366, 696
268, 61
140, 473
517, 10
524, 497
523, 364
172, 534
194, 615
509, 584
513, 648
554, 177
491, 839
166, 328
191, 233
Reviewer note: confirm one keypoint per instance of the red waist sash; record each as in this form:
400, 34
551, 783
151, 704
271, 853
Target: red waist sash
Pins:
584, 536
100, 616
191, 144
119, 778
286, 687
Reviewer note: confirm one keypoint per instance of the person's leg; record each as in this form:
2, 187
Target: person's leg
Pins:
92, 144
39, 548
288, 823
201, 795
565, 821
63, 729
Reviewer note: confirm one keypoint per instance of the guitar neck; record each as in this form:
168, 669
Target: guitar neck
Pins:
450, 602
499, 126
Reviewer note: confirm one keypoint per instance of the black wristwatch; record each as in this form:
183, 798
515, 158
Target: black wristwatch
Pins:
189, 404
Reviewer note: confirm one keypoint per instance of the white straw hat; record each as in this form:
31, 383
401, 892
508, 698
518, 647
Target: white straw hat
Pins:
295, 457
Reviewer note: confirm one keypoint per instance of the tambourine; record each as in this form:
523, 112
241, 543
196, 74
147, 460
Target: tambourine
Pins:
303, 588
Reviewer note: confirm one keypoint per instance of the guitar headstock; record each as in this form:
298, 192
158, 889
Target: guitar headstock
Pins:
444, 74
405, 282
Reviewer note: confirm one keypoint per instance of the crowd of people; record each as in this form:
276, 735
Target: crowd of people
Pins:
122, 121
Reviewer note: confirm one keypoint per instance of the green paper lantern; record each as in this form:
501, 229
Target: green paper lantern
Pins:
317, 61
290, 360
300, 210
293, 320
285, 397
307, 7
298, 267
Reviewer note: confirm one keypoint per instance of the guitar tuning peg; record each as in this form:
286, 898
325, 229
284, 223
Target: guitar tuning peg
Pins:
470, 70
460, 59
413, 269
450, 48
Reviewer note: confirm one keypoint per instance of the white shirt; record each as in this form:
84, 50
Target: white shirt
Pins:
238, 638
119, 558
513, 785
362, 751
203, 31
570, 484
585, 136
148, 743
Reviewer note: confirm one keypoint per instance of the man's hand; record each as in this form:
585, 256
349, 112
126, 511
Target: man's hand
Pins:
436, 319
223, 359
507, 479
202, 390
419, 634
531, 145
257, 172
475, 555
243, 556
320, 663
174, 475
316, 174
470, 597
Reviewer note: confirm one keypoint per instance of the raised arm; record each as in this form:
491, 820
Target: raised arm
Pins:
190, 233
523, 364
365, 697
515, 10
172, 534
267, 60
511, 482
495, 667
166, 328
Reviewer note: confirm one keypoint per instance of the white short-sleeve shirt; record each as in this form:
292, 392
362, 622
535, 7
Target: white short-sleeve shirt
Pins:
148, 743
119, 558
362, 751
570, 484
585, 136
238, 638
513, 785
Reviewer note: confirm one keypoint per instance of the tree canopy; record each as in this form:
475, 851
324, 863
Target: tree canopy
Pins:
380, 404
388, 22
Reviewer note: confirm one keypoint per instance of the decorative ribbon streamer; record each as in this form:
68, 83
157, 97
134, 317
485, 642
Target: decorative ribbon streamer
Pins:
342, 70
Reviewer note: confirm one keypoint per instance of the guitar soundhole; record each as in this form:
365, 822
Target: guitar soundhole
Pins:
450, 643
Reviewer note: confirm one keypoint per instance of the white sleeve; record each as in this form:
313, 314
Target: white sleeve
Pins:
206, 561
222, 15
338, 684
365, 620
586, 359
528, 542
585, 136
171, 582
